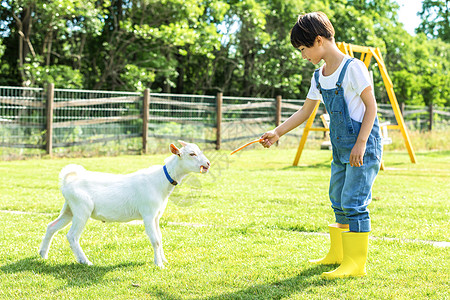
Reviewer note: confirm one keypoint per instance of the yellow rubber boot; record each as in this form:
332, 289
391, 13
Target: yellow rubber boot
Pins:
335, 254
354, 245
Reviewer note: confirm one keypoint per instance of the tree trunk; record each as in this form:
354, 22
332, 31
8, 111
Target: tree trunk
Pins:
24, 24
180, 70
49, 47
249, 60
80, 54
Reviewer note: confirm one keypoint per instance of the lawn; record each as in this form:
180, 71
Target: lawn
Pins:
244, 231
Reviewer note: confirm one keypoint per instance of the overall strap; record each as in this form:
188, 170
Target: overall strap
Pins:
316, 78
342, 74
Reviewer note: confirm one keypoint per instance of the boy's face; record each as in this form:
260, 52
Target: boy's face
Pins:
312, 54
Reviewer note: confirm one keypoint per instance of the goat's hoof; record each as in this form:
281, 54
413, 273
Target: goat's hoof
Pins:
43, 254
85, 262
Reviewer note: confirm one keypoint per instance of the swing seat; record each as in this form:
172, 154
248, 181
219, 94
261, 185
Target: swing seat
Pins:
326, 145
385, 139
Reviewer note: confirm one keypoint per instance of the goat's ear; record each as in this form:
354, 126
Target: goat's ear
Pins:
174, 150
183, 143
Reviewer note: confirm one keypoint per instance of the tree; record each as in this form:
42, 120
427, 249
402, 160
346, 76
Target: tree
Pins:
147, 43
435, 17
43, 40
239, 47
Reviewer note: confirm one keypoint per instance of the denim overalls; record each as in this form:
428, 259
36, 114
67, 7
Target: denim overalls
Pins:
350, 187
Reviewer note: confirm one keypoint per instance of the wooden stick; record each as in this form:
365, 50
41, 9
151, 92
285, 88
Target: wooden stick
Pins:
248, 144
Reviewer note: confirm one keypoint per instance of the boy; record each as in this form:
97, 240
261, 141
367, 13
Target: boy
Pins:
344, 85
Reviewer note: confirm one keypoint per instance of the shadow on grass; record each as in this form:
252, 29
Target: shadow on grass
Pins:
271, 290
74, 274
280, 289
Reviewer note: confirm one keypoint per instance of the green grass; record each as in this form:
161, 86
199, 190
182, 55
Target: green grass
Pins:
244, 231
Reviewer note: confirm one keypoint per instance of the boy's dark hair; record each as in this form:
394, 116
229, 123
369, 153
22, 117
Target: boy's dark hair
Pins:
308, 27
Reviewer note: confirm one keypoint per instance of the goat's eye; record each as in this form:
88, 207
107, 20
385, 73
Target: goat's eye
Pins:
193, 154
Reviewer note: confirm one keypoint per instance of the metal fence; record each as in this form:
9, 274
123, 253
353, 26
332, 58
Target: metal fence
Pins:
22, 117
35, 119
246, 118
173, 116
418, 117
81, 117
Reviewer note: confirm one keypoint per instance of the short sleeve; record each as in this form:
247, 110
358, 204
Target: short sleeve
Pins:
359, 77
314, 93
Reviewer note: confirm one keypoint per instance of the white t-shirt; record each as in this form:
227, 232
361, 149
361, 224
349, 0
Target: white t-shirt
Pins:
356, 79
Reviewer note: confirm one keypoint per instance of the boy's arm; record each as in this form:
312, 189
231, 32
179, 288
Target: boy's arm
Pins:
270, 137
357, 154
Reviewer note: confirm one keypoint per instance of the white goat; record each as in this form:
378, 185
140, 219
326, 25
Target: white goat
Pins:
122, 198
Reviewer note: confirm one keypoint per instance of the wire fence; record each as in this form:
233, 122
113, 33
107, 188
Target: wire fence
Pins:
82, 117
22, 117
418, 117
113, 122
246, 118
185, 117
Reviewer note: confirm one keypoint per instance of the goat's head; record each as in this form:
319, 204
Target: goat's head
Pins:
191, 157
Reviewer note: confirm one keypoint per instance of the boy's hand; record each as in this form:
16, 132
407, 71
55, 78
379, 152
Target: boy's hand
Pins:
357, 154
269, 138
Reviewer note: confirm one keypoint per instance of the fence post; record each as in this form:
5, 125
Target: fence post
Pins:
49, 119
402, 108
219, 101
430, 109
145, 118
278, 112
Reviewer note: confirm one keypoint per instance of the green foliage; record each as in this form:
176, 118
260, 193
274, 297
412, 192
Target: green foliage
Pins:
137, 78
435, 17
241, 48
61, 75
2, 48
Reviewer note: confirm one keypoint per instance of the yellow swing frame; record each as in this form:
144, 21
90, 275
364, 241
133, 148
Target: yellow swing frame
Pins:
366, 55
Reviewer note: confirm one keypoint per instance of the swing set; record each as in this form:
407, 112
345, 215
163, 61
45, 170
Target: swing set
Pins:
366, 55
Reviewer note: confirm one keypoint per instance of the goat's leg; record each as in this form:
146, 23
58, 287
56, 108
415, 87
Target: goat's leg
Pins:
158, 231
64, 218
150, 229
73, 236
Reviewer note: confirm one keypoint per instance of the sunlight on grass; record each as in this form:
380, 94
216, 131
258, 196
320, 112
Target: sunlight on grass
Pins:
244, 231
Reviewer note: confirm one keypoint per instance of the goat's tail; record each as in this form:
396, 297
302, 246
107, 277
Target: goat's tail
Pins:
69, 173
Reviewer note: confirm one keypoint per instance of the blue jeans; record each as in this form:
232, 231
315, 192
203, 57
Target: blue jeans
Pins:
351, 191
350, 187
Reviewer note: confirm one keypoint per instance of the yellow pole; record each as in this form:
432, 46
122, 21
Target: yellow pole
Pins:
394, 103
367, 59
305, 134
350, 49
342, 47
